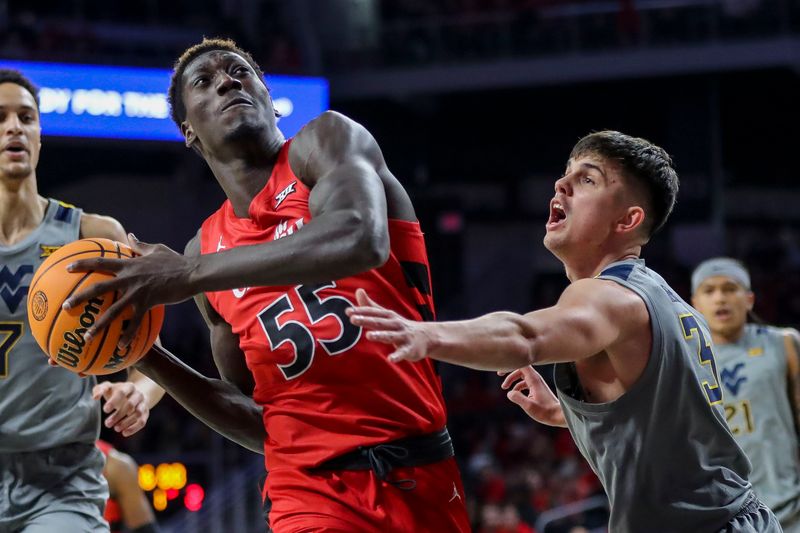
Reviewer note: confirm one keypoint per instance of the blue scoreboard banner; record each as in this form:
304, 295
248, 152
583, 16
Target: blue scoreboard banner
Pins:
131, 103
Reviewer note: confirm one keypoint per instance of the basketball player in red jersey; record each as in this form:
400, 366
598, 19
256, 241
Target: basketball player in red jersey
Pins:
351, 441
127, 503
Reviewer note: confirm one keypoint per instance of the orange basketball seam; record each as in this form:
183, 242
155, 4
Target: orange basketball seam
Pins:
39, 277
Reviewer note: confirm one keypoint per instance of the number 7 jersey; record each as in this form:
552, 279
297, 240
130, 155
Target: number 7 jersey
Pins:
324, 387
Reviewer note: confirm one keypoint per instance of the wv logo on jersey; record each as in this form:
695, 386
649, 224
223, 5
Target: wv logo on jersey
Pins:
284, 193
13, 291
732, 379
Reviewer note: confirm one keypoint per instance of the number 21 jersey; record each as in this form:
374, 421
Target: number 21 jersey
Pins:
324, 387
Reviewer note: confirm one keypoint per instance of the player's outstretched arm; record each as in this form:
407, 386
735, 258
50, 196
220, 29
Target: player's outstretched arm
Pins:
348, 234
590, 316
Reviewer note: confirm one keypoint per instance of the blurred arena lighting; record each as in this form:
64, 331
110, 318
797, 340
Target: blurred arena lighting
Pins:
147, 477
159, 500
193, 500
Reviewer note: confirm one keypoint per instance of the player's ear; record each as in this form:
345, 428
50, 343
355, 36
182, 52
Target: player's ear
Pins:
751, 299
631, 220
188, 133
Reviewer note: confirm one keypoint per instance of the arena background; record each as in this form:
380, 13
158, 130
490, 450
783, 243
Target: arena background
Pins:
476, 104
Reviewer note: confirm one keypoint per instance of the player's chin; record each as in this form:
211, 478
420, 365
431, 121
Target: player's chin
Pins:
244, 127
15, 170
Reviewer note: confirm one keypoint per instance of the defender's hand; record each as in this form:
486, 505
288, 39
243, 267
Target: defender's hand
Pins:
127, 405
539, 403
158, 275
409, 338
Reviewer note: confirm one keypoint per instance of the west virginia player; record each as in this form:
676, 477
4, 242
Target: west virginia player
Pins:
634, 371
50, 469
759, 368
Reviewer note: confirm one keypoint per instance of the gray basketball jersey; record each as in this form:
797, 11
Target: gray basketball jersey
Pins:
753, 372
662, 451
40, 406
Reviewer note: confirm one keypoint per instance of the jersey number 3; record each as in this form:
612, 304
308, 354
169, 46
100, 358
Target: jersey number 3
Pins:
316, 308
706, 354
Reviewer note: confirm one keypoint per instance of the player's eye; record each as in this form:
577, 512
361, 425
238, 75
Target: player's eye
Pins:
241, 69
587, 179
200, 80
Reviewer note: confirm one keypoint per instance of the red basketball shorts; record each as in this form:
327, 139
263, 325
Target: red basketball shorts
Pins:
356, 500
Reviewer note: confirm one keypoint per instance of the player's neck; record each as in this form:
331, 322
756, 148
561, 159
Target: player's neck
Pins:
21, 209
591, 266
244, 174
727, 337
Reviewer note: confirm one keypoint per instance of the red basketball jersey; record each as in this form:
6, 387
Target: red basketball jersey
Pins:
324, 387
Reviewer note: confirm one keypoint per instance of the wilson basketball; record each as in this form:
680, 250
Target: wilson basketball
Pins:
60, 333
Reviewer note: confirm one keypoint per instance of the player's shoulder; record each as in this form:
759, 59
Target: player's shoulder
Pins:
330, 132
605, 294
768, 331
328, 140
788, 334
330, 120
94, 225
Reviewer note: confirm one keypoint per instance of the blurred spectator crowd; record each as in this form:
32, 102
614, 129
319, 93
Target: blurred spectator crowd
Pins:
340, 35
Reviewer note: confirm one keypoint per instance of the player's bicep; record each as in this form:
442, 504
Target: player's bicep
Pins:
228, 356
341, 162
586, 321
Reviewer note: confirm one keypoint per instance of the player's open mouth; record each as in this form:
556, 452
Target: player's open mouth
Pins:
722, 314
16, 149
557, 215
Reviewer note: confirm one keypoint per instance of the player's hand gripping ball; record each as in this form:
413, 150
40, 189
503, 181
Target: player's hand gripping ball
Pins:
60, 333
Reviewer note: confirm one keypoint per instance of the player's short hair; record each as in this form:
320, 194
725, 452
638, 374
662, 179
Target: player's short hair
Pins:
175, 93
649, 165
8, 75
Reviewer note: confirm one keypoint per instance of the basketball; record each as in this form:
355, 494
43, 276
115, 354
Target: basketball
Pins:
60, 333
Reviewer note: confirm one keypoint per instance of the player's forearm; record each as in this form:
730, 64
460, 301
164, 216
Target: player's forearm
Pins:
492, 342
149, 388
332, 246
216, 403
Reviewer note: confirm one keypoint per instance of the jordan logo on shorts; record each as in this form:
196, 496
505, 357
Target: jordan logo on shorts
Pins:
455, 493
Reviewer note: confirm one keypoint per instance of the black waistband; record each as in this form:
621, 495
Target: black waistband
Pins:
383, 458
